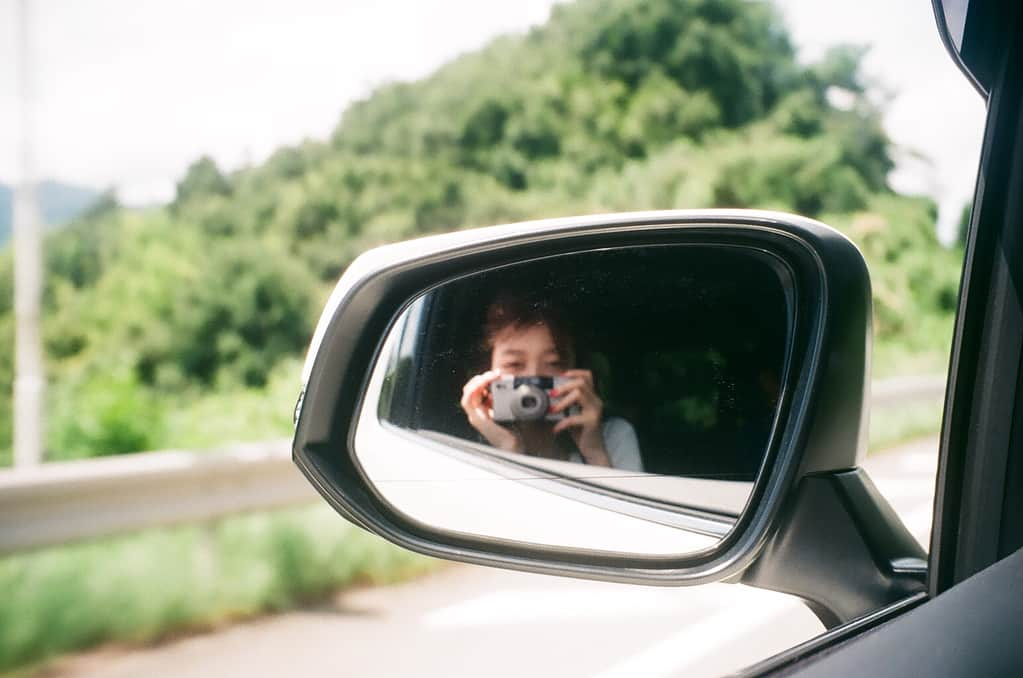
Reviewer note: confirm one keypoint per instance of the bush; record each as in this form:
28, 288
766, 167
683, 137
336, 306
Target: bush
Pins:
103, 415
143, 587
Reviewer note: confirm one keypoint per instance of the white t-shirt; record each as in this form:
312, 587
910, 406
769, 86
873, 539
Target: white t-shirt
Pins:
621, 444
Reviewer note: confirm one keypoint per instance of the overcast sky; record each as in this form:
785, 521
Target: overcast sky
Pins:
129, 92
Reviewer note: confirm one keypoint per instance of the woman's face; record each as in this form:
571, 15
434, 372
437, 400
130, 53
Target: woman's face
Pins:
527, 351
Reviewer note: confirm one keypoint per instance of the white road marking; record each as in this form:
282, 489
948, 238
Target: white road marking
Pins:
591, 603
699, 640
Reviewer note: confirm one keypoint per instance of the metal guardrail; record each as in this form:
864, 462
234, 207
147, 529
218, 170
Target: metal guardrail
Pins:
66, 501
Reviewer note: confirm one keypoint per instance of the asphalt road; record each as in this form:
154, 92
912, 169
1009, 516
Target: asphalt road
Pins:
473, 621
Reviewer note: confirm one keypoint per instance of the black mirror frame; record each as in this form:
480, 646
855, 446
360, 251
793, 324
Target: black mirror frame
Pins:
820, 425
986, 37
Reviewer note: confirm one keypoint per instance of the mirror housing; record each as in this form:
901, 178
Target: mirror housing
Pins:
975, 37
820, 429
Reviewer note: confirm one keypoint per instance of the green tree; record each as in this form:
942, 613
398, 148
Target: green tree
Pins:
203, 178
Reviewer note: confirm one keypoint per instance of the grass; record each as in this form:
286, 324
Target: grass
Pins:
894, 425
895, 359
916, 418
147, 586
235, 414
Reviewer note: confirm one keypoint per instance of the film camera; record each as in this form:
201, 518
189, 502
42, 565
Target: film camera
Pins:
526, 399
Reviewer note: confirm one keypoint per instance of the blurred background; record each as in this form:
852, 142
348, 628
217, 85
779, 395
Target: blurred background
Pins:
203, 172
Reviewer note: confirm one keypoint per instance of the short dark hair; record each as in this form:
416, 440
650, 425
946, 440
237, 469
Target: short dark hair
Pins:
510, 311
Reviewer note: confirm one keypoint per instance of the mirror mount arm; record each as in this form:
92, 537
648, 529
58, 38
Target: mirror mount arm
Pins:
836, 527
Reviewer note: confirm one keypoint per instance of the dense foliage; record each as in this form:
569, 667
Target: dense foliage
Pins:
611, 105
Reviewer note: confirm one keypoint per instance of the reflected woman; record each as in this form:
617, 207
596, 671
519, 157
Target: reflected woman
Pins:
529, 339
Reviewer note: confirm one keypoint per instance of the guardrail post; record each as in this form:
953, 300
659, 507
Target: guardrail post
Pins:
29, 378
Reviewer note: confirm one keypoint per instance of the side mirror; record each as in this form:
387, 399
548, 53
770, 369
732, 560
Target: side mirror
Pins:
668, 398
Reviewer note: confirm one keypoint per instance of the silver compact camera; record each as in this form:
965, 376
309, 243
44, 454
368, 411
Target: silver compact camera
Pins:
526, 399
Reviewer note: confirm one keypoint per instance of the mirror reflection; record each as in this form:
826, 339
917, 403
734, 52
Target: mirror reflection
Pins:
640, 381
536, 398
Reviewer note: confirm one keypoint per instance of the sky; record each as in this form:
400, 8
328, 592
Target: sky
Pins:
127, 93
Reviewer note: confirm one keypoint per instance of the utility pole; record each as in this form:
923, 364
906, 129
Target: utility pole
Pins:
29, 379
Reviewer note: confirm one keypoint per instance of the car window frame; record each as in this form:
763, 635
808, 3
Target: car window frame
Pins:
982, 412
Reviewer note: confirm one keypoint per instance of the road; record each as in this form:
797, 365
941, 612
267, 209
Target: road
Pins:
473, 621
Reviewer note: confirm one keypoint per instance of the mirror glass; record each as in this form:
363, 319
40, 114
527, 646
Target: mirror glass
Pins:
619, 400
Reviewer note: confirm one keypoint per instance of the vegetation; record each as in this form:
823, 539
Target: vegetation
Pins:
892, 426
141, 588
184, 325
154, 315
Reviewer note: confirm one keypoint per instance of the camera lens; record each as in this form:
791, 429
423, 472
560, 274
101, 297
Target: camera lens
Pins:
529, 403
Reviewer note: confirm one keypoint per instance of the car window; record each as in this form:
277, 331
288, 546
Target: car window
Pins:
200, 174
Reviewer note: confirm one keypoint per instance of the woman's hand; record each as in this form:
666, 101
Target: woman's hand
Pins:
478, 407
585, 425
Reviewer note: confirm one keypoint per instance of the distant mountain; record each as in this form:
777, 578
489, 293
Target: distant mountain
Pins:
60, 204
